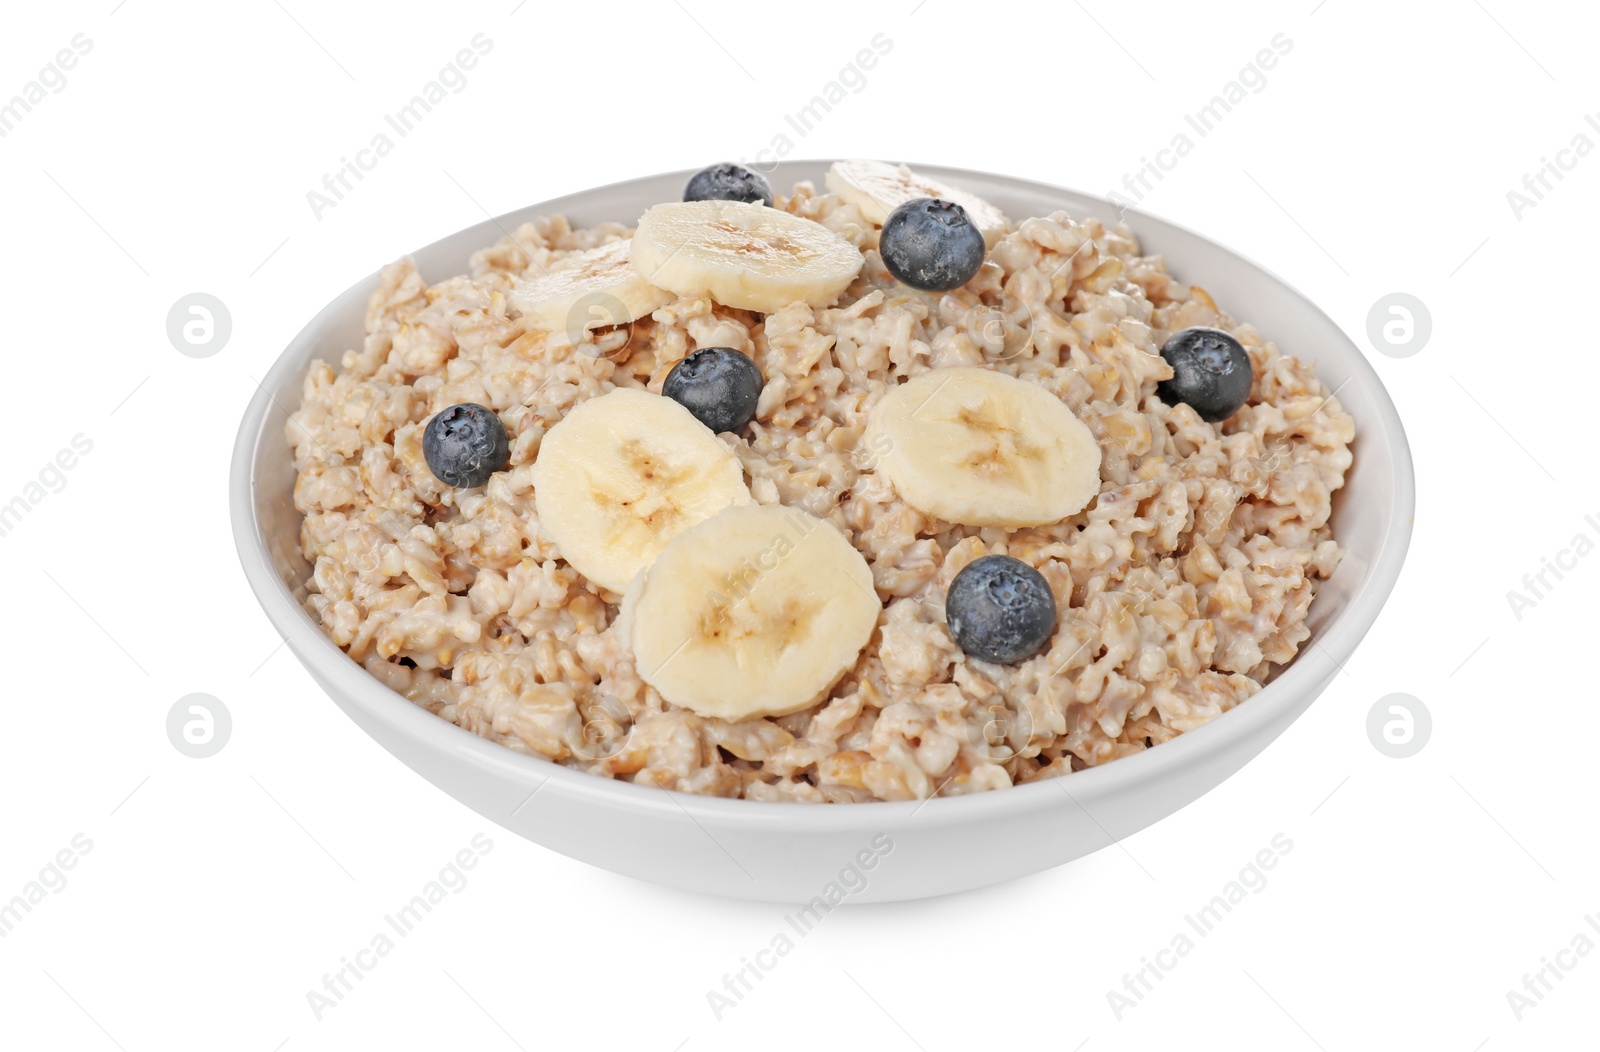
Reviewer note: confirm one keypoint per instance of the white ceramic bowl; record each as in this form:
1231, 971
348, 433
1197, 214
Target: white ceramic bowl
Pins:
792, 852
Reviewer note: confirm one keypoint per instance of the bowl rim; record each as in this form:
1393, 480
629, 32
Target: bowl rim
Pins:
336, 671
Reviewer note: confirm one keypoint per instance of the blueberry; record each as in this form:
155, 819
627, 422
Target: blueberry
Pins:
1000, 609
465, 444
931, 245
719, 385
1210, 372
728, 182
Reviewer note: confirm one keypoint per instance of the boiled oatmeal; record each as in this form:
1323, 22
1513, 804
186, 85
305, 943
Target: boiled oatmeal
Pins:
869, 492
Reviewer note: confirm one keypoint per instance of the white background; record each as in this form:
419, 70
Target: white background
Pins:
219, 891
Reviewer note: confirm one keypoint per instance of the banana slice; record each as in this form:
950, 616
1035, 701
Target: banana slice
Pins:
624, 473
599, 288
878, 189
755, 612
743, 255
984, 449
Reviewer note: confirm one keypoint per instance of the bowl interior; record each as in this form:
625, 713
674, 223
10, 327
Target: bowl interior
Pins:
1371, 514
